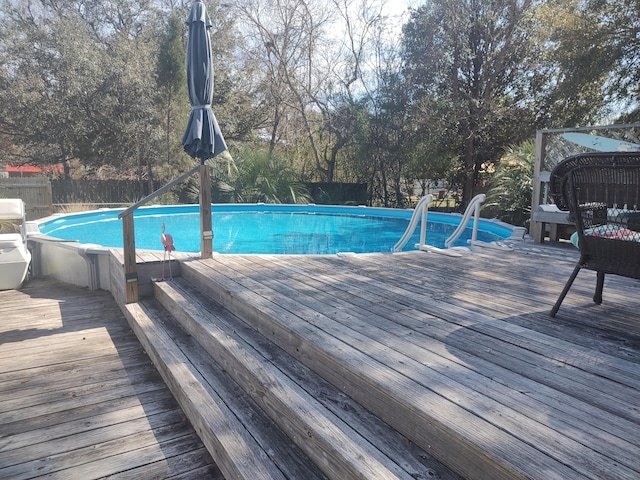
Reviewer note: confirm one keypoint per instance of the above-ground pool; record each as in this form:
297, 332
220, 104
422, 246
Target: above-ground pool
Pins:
258, 228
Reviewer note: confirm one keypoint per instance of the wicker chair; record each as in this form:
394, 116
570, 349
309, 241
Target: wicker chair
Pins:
601, 191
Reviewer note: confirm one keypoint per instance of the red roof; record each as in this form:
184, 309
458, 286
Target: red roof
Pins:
34, 169
23, 169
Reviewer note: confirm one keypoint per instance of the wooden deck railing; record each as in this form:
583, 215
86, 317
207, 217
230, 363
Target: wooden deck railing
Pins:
128, 231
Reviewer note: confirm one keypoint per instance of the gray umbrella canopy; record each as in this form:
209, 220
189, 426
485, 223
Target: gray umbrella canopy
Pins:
202, 138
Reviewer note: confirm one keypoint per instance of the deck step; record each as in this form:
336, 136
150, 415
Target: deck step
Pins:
448, 419
334, 432
243, 442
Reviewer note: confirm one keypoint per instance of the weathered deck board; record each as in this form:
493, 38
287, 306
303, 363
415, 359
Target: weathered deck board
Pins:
413, 460
340, 447
559, 397
406, 333
475, 331
382, 380
78, 396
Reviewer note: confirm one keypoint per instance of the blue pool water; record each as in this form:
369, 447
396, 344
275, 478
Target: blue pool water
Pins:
290, 229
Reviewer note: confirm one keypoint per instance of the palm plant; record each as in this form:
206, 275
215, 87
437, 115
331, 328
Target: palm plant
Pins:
264, 177
258, 176
511, 186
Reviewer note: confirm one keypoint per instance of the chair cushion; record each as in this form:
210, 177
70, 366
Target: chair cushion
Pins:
608, 231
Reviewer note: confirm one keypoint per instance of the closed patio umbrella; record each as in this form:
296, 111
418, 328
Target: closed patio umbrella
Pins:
202, 138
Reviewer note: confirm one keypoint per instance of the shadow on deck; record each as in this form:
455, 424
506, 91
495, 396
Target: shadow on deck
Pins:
78, 396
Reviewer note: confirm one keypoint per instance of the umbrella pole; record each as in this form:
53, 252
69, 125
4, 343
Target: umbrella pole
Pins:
206, 232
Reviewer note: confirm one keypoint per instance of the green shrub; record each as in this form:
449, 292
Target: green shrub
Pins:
511, 186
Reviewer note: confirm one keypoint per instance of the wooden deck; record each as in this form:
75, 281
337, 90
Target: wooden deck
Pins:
463, 344
468, 344
79, 399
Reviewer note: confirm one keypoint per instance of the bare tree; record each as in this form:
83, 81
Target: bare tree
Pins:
314, 55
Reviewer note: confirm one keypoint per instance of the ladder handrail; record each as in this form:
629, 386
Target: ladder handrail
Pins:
420, 211
158, 192
472, 209
128, 229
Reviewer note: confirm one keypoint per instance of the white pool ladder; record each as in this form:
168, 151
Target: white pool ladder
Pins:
421, 210
472, 209
420, 213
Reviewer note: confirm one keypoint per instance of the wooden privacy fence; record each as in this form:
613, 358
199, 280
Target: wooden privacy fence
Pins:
338, 193
35, 192
99, 191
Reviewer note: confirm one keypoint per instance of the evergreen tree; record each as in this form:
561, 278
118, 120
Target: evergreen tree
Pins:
171, 80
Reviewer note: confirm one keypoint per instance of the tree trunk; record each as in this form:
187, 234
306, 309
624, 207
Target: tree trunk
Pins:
67, 170
468, 190
149, 176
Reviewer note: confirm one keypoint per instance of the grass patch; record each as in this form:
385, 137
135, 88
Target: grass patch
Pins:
444, 203
75, 207
10, 226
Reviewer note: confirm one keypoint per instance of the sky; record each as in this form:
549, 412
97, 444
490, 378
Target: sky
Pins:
397, 7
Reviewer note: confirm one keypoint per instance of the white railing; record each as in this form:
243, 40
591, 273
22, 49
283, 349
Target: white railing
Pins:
420, 211
420, 214
472, 209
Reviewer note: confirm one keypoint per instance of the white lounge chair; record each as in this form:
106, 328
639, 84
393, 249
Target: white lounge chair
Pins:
14, 255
